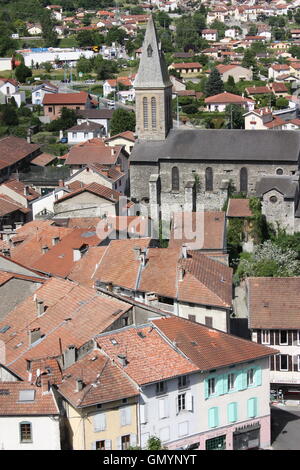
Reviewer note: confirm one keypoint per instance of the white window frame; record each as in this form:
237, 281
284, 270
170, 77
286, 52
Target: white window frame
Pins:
265, 334
280, 368
298, 362
287, 339
181, 401
250, 377
298, 337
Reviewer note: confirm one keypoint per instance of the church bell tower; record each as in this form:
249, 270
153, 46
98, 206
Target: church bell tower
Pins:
153, 90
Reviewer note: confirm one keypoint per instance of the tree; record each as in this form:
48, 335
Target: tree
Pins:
154, 443
234, 116
9, 115
67, 119
230, 86
295, 51
282, 103
122, 121
268, 260
22, 72
84, 65
163, 19
249, 58
214, 83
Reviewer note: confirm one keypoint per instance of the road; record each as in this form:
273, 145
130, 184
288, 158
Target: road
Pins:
285, 427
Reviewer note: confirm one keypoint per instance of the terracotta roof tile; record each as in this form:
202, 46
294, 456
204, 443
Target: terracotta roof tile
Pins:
43, 159
208, 348
274, 302
226, 98
95, 188
65, 98
19, 188
93, 151
14, 149
11, 405
8, 206
238, 208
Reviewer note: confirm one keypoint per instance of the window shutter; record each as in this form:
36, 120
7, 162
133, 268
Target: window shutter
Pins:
99, 421
213, 417
242, 380
176, 405
143, 413
219, 385
232, 412
257, 376
123, 416
225, 383
128, 415
119, 443
189, 401
133, 440
162, 408
206, 388
252, 407
93, 445
107, 444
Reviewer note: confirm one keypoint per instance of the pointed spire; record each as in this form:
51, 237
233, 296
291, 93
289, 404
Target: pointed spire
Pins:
153, 72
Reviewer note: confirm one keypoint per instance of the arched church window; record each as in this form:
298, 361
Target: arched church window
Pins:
244, 180
175, 179
209, 183
153, 111
149, 51
145, 112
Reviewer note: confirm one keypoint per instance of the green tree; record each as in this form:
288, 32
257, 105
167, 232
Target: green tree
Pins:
214, 84
282, 103
22, 73
249, 58
230, 86
67, 119
234, 116
163, 19
121, 121
9, 115
84, 65
295, 51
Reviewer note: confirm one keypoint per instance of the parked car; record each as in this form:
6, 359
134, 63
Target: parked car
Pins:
90, 81
64, 140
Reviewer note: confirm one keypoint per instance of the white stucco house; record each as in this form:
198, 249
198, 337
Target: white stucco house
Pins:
84, 131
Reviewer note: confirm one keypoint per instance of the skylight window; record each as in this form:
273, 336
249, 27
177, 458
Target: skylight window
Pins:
113, 341
26, 395
4, 329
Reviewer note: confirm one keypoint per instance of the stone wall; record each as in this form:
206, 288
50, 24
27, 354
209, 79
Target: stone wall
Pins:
279, 210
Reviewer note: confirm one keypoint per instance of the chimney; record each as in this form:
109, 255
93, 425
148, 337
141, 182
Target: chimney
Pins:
79, 385
137, 252
45, 249
34, 335
181, 273
143, 257
55, 240
184, 251
61, 183
6, 252
76, 254
26, 191
69, 356
109, 287
40, 307
122, 359
45, 384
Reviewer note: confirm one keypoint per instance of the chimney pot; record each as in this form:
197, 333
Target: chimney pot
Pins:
79, 385
122, 359
40, 307
181, 273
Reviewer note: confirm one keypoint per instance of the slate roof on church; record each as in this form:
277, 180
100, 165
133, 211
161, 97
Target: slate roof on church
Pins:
284, 184
221, 144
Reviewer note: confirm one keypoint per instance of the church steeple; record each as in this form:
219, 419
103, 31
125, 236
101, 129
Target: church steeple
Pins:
153, 90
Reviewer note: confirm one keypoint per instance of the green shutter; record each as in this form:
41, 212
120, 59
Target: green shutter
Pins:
213, 417
206, 388
219, 385
252, 407
241, 380
257, 376
232, 412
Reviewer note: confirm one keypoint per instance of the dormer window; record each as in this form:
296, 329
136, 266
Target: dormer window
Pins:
149, 50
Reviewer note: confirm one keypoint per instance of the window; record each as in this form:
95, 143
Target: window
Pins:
283, 339
250, 377
209, 322
213, 417
252, 407
163, 408
125, 413
211, 386
125, 442
231, 381
265, 336
175, 179
74, 135
192, 317
183, 381
232, 412
273, 199
50, 109
25, 432
209, 186
145, 112
279, 171
181, 403
283, 362
217, 443
100, 445
244, 180
160, 388
153, 112
298, 337
183, 428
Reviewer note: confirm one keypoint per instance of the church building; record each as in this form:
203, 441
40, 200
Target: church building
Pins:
192, 169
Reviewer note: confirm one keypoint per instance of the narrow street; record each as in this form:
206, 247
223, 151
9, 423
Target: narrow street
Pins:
285, 427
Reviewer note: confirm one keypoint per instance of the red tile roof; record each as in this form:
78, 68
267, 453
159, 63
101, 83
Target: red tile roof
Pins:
128, 135
8, 206
238, 208
274, 302
19, 188
258, 90
226, 98
95, 188
65, 98
208, 348
187, 65
10, 404
43, 159
93, 151
149, 357
103, 381
13, 149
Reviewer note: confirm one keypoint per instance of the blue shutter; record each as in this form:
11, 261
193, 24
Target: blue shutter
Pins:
213, 417
206, 388
219, 385
241, 380
257, 376
232, 412
252, 407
